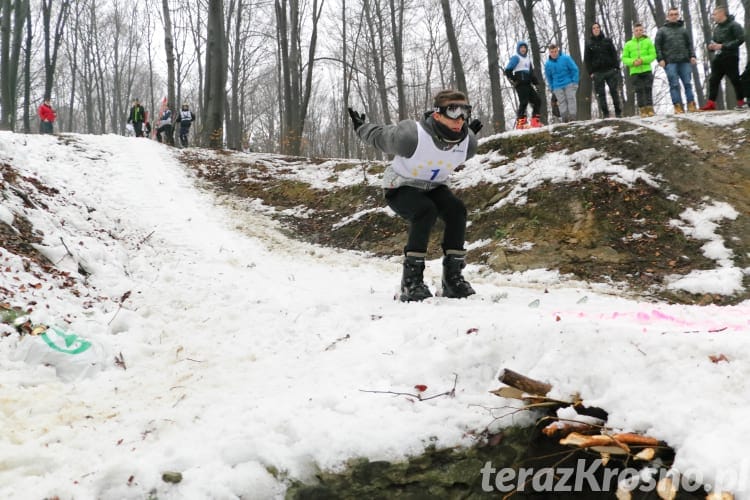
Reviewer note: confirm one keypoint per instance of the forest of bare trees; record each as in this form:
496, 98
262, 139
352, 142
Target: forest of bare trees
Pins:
278, 76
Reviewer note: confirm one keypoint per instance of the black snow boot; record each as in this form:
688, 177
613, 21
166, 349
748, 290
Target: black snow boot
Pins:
454, 284
412, 285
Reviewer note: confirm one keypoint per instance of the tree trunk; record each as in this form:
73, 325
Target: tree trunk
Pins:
397, 32
214, 89
169, 52
52, 39
11, 36
376, 35
697, 85
628, 15
583, 98
527, 12
493, 65
587, 87
458, 67
27, 73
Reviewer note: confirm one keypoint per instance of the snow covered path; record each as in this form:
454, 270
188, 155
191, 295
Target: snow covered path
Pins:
242, 357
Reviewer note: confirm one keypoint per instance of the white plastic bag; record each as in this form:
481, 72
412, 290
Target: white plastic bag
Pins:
129, 128
73, 357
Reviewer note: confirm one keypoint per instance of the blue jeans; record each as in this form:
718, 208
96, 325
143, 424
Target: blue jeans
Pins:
675, 73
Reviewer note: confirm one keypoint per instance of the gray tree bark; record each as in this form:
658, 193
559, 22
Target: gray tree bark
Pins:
493, 66
169, 52
216, 76
397, 32
450, 33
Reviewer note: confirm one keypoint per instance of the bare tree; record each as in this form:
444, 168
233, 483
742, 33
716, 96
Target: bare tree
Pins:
583, 104
688, 18
52, 39
493, 66
397, 34
10, 51
296, 92
458, 67
216, 75
169, 52
376, 34
27, 73
628, 18
527, 12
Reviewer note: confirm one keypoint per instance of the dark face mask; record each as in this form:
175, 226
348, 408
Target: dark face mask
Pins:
448, 135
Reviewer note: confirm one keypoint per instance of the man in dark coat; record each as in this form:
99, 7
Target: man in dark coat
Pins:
674, 51
603, 67
725, 44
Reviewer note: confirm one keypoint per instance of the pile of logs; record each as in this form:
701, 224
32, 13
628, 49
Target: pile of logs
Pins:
589, 432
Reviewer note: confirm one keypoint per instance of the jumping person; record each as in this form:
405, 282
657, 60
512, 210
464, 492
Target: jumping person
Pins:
415, 183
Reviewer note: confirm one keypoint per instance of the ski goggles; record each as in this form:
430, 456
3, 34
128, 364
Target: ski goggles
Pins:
455, 111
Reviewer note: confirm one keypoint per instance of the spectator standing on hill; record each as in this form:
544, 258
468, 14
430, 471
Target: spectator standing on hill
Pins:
725, 43
47, 117
638, 54
137, 116
426, 153
164, 127
562, 75
520, 72
603, 67
185, 118
674, 51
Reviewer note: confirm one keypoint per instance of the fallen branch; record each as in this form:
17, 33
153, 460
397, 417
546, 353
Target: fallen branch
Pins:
451, 393
124, 297
333, 344
524, 383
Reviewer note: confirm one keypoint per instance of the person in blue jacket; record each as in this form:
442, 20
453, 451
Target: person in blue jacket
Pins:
561, 73
520, 72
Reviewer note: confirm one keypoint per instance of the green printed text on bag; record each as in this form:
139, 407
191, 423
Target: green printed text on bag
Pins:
72, 343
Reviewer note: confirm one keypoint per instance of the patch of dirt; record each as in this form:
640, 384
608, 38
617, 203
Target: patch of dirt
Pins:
20, 238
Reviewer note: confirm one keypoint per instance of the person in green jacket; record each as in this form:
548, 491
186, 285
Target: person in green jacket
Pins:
638, 54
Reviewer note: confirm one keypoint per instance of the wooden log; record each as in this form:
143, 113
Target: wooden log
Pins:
524, 383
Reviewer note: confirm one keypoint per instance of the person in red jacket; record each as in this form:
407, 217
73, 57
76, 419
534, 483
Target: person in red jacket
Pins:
47, 117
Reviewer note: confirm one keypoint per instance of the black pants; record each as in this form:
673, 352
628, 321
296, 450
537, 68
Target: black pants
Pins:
138, 129
422, 208
612, 79
45, 127
184, 135
728, 66
166, 131
745, 81
527, 94
643, 84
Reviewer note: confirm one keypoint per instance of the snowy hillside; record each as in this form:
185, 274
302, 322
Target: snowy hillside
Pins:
242, 359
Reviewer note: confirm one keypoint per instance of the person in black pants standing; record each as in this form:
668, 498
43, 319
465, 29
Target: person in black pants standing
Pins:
725, 44
603, 67
426, 153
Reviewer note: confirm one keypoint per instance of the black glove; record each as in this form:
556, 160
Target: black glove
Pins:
358, 119
475, 126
